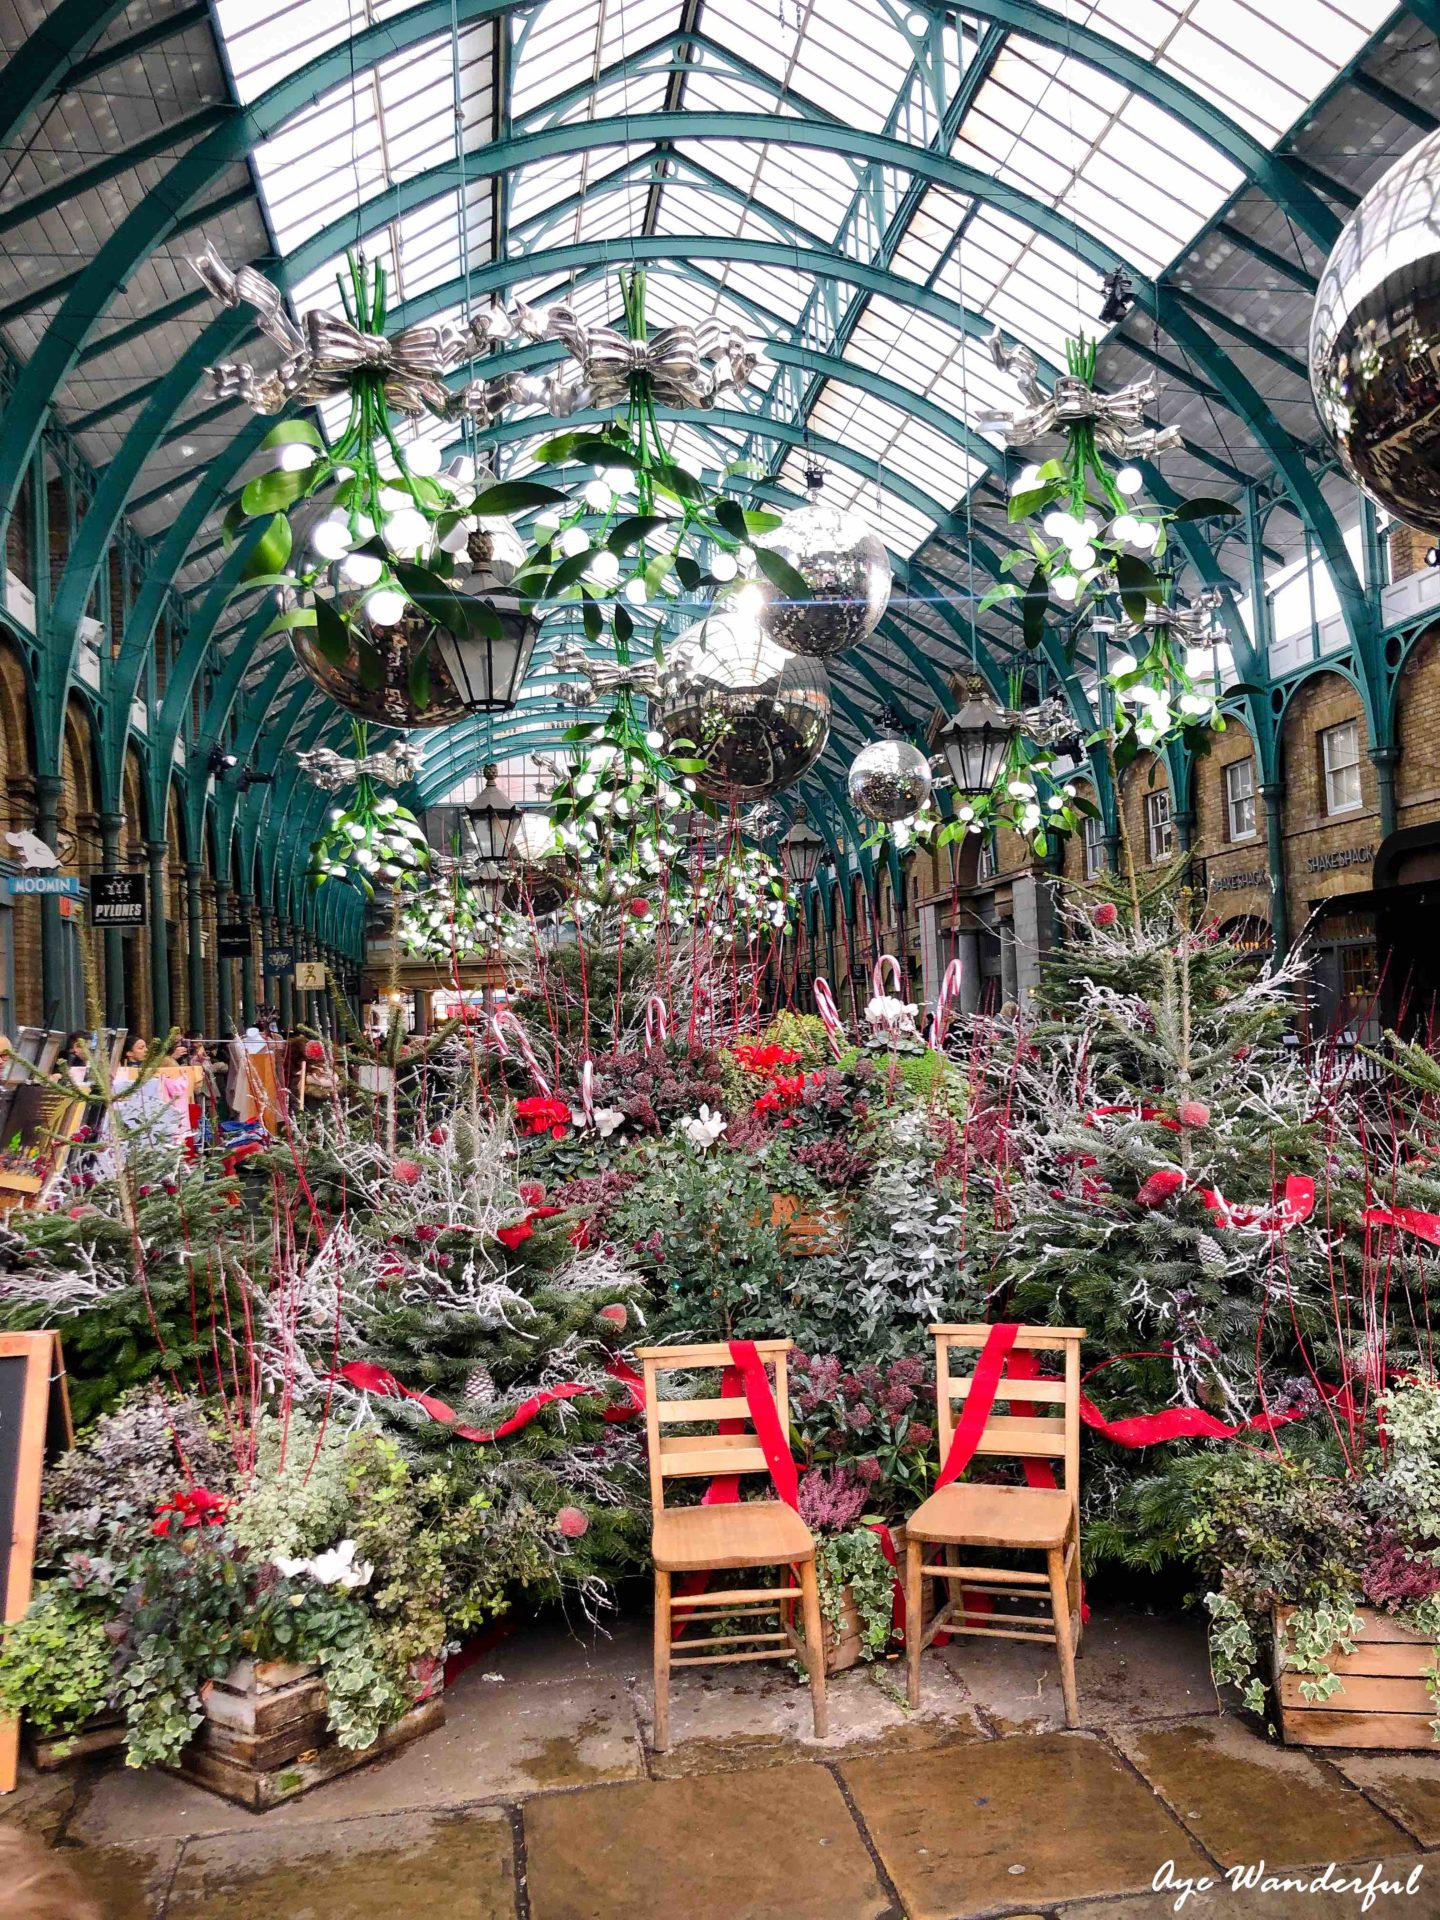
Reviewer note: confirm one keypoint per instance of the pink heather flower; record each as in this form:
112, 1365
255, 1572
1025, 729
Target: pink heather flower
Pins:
573, 1523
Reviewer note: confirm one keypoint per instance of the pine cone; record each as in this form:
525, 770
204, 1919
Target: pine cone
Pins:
1211, 1254
480, 1384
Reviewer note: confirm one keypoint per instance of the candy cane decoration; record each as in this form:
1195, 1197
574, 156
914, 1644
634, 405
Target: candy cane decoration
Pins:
947, 997
587, 1092
877, 977
829, 1013
498, 1024
657, 1022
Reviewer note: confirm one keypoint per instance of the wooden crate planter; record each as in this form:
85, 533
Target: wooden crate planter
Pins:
805, 1233
265, 1737
104, 1734
1382, 1700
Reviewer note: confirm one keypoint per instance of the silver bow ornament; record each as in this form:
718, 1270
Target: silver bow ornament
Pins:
635, 676
330, 771
1118, 418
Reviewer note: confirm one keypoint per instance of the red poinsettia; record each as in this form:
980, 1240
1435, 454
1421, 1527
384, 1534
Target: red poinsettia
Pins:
192, 1507
540, 1114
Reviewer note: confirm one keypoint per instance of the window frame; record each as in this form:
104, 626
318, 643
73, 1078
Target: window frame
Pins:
1328, 771
1092, 845
1246, 799
1159, 827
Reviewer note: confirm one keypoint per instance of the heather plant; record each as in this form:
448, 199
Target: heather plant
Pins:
868, 1428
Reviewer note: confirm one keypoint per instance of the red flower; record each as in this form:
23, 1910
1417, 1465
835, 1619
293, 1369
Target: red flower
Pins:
572, 1522
192, 1507
758, 1059
406, 1172
782, 1093
638, 909
1106, 914
437, 1136
580, 1236
515, 1236
427, 1233
532, 1193
541, 1114
314, 1050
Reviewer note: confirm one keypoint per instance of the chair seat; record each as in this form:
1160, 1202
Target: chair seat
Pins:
748, 1533
993, 1517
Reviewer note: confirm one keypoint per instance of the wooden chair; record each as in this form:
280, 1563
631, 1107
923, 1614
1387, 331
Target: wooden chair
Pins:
1019, 1519
747, 1533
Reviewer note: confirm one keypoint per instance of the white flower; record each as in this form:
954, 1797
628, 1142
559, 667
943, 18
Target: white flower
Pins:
336, 1567
890, 1015
605, 1120
704, 1129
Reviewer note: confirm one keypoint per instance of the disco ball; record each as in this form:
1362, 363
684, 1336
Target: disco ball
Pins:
758, 716
1375, 340
414, 672
847, 570
889, 780
541, 882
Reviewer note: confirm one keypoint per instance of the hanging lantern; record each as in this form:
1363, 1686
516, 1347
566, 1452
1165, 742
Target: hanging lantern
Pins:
889, 780
976, 739
756, 715
494, 820
845, 566
804, 850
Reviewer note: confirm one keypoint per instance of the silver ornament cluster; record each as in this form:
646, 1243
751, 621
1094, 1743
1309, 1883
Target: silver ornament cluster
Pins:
1375, 340
844, 564
330, 771
757, 715
1118, 418
889, 780
685, 366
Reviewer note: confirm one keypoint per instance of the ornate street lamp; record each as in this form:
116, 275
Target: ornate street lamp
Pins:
976, 739
494, 820
804, 850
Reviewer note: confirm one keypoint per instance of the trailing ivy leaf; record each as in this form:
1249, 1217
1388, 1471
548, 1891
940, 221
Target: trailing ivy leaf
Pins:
731, 517
332, 636
419, 686
516, 496
1204, 509
478, 618
292, 433
744, 469
1022, 505
1138, 583
559, 448
270, 551
288, 622
1041, 845
370, 668
269, 492
1003, 590
781, 575
686, 766
1033, 607
760, 520
630, 532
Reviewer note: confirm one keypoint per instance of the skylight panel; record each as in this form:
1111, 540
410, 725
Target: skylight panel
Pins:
714, 90
931, 233
536, 189
899, 525
267, 39
555, 47
852, 60
895, 440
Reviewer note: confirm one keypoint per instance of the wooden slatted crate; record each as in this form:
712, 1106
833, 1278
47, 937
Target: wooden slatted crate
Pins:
1382, 1701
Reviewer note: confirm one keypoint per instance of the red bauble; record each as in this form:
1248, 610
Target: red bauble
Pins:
437, 1136
572, 1522
314, 1050
617, 1314
1193, 1113
638, 909
406, 1172
1161, 1186
532, 1193
1105, 915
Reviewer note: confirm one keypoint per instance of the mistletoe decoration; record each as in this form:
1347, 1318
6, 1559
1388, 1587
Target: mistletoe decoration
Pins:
373, 839
1094, 549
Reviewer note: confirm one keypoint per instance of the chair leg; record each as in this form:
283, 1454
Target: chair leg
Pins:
914, 1612
662, 1661
814, 1647
1060, 1607
1076, 1591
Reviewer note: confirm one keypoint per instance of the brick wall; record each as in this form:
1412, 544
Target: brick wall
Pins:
1310, 833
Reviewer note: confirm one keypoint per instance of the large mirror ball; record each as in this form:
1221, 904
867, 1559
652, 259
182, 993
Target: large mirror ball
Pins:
1375, 340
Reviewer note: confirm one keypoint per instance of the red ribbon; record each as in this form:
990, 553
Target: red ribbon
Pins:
372, 1379
1295, 1207
1425, 1226
971, 1424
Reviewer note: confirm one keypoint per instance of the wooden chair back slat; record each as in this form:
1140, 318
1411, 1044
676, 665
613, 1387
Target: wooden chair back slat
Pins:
1028, 1436
690, 1455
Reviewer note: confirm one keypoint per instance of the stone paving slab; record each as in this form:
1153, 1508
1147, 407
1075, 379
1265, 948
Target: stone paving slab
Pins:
739, 1846
459, 1865
1039, 1818
500, 1742
725, 1719
128, 1883
1131, 1667
40, 1802
1407, 1785
1224, 1902
1247, 1798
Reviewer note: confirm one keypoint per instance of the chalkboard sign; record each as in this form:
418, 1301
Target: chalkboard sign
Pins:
34, 1422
